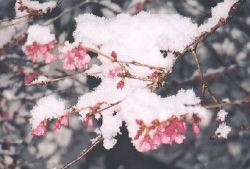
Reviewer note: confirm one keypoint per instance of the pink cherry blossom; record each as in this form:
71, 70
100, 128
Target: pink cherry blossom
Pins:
120, 84
139, 7
166, 132
138, 134
114, 72
30, 77
89, 121
114, 55
62, 121
146, 144
157, 140
196, 129
49, 57
40, 130
65, 120
76, 58
44, 50
166, 139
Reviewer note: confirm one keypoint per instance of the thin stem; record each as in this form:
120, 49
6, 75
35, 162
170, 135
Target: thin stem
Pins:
68, 10
123, 62
204, 85
61, 78
224, 104
99, 139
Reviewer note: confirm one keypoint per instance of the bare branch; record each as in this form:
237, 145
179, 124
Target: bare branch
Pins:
62, 78
204, 85
99, 139
224, 104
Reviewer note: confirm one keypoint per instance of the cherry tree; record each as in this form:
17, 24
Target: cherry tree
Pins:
132, 53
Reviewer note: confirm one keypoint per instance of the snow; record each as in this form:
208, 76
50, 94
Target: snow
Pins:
223, 130
40, 79
137, 103
67, 47
6, 36
110, 127
222, 114
109, 143
149, 33
221, 10
39, 34
36, 5
48, 107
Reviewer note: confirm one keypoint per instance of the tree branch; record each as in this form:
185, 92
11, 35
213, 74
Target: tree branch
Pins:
99, 139
204, 85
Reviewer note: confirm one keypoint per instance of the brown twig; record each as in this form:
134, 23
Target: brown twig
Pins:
224, 104
204, 85
61, 78
123, 62
99, 139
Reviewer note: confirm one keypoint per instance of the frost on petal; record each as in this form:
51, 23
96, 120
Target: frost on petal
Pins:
47, 108
222, 114
223, 130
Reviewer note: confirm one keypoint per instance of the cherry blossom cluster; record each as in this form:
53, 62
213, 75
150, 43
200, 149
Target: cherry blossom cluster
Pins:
166, 132
45, 50
76, 58
46, 47
62, 119
42, 127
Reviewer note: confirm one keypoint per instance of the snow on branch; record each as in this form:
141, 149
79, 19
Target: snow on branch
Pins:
132, 66
33, 7
47, 108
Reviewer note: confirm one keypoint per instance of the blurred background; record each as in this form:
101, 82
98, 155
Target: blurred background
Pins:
225, 61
